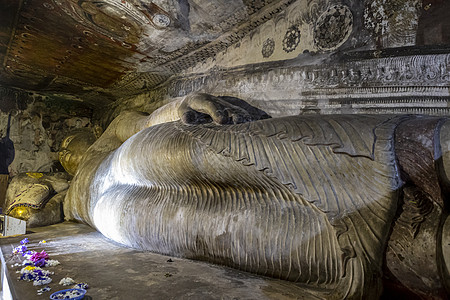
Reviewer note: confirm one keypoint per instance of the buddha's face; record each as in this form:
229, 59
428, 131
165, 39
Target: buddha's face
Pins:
73, 149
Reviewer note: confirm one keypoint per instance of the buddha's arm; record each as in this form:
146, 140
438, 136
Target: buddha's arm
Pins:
192, 109
203, 108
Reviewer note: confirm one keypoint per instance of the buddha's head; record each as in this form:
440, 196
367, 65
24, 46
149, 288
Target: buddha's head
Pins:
74, 147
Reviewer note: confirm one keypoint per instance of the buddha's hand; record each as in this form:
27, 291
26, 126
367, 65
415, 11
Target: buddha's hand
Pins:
205, 108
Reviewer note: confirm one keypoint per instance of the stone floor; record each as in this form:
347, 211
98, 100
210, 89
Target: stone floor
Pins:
117, 272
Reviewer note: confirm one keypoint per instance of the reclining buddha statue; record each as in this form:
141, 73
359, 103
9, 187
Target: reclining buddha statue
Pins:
335, 203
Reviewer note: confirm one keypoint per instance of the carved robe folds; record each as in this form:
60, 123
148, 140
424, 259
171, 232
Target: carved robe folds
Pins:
309, 199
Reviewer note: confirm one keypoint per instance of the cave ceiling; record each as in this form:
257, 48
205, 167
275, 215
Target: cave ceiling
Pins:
91, 49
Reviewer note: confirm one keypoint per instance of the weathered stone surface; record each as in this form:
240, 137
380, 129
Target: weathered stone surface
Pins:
116, 272
414, 256
38, 126
290, 57
309, 199
116, 49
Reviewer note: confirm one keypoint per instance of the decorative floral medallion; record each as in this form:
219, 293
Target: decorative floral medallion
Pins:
291, 39
333, 27
268, 47
161, 20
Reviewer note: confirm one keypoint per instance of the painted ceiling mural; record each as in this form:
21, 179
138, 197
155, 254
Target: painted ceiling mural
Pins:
102, 50
62, 45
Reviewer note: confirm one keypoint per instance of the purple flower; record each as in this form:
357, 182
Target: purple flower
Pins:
27, 276
20, 249
39, 255
24, 241
40, 262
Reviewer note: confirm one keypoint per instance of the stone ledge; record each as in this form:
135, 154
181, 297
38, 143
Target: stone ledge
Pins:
116, 272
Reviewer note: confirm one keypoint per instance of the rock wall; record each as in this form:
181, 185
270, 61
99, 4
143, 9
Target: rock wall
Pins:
319, 56
38, 125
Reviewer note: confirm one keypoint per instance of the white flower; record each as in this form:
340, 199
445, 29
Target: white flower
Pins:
66, 281
43, 281
51, 263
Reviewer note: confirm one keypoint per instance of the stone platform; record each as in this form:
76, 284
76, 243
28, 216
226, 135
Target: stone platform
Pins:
116, 272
